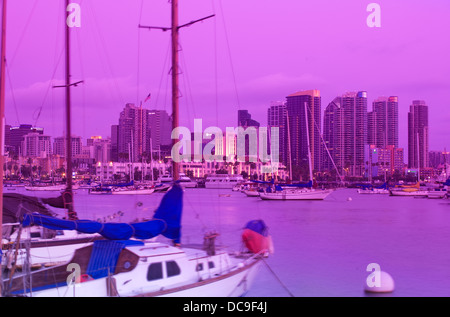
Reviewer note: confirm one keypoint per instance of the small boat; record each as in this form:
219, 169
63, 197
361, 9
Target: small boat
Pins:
186, 182
218, 181
370, 189
437, 193
100, 190
135, 190
411, 192
296, 194
59, 187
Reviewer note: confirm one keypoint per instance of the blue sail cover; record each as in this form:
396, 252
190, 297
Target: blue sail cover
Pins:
308, 184
262, 182
447, 182
258, 226
166, 221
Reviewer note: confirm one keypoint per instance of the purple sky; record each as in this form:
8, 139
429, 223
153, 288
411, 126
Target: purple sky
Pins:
251, 53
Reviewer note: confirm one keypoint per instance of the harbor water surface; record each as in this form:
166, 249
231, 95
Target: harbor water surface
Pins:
322, 248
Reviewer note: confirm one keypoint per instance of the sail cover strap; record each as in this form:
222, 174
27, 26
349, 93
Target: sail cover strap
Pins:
166, 221
104, 256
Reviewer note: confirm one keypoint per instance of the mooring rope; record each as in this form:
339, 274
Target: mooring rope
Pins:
278, 279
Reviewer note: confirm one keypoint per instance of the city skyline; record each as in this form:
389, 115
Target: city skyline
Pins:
257, 62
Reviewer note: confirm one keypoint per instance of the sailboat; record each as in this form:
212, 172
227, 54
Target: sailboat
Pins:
370, 189
297, 191
125, 263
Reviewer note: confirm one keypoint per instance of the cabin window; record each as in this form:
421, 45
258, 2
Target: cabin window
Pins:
199, 267
35, 234
154, 271
211, 264
172, 268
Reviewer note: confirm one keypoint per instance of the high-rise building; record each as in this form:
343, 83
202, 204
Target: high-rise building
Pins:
298, 130
132, 133
159, 125
114, 143
438, 158
99, 149
333, 135
345, 133
355, 131
382, 122
17, 133
245, 119
276, 117
418, 135
59, 146
36, 145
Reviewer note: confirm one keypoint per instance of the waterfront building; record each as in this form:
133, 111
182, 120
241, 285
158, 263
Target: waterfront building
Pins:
297, 135
15, 136
382, 122
114, 143
245, 120
36, 145
276, 117
438, 158
159, 125
132, 134
384, 161
115, 171
59, 146
418, 135
345, 133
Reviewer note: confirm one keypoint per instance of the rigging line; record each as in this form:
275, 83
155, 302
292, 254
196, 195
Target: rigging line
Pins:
163, 76
215, 66
139, 54
108, 60
229, 55
23, 32
48, 88
323, 141
12, 93
83, 90
186, 83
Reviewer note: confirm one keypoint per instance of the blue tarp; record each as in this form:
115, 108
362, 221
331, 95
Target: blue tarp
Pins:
166, 221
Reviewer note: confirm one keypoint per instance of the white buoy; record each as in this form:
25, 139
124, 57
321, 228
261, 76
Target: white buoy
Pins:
384, 285
349, 198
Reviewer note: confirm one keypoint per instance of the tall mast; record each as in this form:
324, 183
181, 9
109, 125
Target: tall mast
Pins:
2, 110
175, 109
175, 113
68, 194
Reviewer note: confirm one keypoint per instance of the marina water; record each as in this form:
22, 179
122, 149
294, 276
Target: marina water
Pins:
322, 248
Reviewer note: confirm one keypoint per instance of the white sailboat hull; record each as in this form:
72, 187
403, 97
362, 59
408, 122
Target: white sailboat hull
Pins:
374, 191
437, 194
46, 188
251, 193
133, 191
230, 276
296, 195
422, 193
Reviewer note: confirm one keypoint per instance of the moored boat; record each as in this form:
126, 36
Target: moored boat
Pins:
219, 181
126, 264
